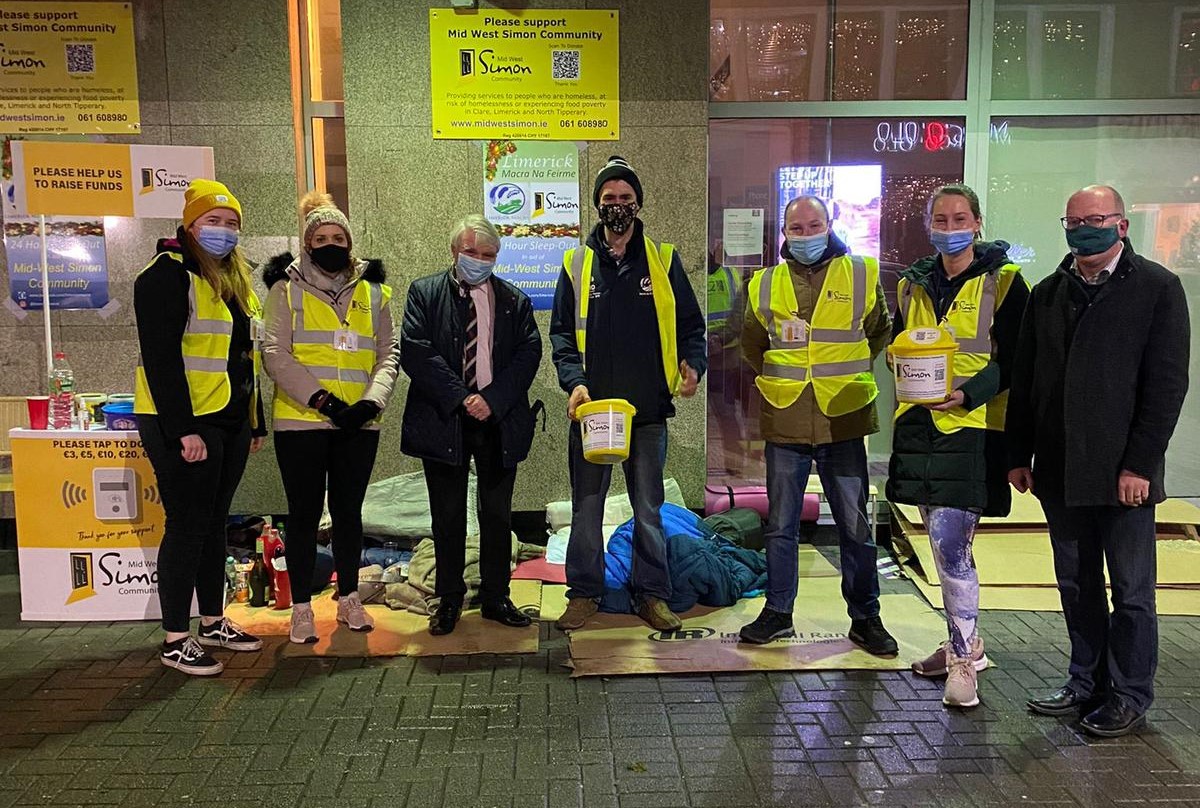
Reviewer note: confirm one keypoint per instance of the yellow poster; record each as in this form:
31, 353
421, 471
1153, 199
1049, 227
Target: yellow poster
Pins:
86, 179
67, 67
529, 74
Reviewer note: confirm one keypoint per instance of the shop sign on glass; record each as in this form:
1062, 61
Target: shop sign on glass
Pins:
68, 67
529, 74
531, 194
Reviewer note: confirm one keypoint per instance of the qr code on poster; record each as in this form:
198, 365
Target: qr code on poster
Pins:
566, 64
81, 58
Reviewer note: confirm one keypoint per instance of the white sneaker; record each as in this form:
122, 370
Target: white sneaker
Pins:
304, 627
961, 682
351, 612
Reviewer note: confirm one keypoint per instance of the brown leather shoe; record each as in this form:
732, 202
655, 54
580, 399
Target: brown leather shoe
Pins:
656, 613
579, 610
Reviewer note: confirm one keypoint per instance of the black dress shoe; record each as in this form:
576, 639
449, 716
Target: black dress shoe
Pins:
445, 618
1116, 717
505, 613
872, 637
1061, 702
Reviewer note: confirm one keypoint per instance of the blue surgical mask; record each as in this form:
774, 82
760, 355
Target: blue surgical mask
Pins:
808, 249
951, 242
474, 270
217, 241
1088, 240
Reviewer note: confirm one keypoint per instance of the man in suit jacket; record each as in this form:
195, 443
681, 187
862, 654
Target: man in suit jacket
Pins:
1097, 386
471, 347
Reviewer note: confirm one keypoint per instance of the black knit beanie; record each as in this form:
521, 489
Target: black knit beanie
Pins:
617, 169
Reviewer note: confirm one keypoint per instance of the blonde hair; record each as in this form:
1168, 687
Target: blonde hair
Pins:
228, 276
484, 231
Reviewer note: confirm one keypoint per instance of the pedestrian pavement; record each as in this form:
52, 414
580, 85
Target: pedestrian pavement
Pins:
88, 716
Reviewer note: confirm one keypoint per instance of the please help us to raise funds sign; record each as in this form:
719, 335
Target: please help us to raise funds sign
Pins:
68, 68
531, 74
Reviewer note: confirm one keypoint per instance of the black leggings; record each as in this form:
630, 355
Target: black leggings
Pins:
308, 458
196, 498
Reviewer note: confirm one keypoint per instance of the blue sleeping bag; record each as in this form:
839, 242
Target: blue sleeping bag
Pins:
706, 568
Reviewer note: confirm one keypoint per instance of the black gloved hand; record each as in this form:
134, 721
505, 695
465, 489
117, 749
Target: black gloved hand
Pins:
327, 404
356, 415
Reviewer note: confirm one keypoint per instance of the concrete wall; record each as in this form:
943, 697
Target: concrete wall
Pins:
407, 189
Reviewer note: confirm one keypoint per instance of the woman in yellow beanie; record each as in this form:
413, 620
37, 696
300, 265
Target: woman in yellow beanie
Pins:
331, 351
199, 412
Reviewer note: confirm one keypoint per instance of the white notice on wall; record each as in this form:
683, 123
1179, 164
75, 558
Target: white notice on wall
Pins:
742, 236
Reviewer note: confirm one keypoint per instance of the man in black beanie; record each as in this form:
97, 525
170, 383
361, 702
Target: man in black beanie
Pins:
638, 335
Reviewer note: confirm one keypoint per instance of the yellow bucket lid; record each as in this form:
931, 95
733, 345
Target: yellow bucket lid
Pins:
924, 342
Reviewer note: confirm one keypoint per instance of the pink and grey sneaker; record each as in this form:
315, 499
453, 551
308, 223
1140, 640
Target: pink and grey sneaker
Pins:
937, 663
351, 612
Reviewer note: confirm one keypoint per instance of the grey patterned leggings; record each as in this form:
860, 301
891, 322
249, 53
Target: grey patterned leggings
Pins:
951, 534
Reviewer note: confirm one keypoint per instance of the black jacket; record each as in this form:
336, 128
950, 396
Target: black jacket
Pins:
624, 352
1099, 381
160, 305
431, 346
967, 469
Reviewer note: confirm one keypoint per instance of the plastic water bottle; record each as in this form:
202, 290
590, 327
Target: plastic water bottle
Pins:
62, 393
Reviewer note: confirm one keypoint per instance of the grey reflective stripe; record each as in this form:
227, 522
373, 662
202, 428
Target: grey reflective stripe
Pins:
718, 315
577, 284
376, 306
860, 289
764, 300
327, 338
197, 326
837, 335
982, 343
308, 337
777, 344
827, 369
339, 374
784, 371
205, 365
296, 300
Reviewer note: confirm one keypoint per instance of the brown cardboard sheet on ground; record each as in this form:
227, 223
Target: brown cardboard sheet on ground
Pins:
813, 564
616, 645
1027, 510
1172, 601
397, 633
1025, 559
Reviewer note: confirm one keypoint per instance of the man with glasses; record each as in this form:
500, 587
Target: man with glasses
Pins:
1097, 386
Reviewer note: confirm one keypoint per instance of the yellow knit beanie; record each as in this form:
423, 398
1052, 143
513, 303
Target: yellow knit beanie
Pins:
203, 195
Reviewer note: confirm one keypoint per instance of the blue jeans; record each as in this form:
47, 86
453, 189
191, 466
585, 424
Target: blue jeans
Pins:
842, 467
649, 576
1117, 652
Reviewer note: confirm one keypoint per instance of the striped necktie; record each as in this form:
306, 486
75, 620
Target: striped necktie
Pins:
471, 343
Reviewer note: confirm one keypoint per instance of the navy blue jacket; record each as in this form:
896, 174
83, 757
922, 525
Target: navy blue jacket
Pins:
431, 347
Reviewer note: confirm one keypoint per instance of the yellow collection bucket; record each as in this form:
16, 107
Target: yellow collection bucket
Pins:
923, 365
607, 427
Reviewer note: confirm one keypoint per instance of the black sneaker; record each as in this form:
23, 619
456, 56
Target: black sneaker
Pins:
873, 637
227, 634
186, 655
769, 625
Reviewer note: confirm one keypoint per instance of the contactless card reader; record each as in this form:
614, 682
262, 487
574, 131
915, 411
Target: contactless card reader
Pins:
115, 492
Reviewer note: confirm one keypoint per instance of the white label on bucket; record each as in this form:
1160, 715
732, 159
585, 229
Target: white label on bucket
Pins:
921, 378
924, 336
604, 431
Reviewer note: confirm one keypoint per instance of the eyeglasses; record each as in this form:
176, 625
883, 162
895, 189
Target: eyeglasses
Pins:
1071, 222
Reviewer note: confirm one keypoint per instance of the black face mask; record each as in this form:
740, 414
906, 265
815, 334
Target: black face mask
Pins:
332, 258
617, 217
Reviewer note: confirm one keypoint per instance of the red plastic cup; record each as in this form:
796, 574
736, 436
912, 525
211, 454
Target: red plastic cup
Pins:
39, 411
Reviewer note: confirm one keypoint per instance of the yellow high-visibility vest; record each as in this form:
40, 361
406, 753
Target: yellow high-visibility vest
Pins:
723, 294
344, 371
578, 263
832, 355
970, 320
206, 339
